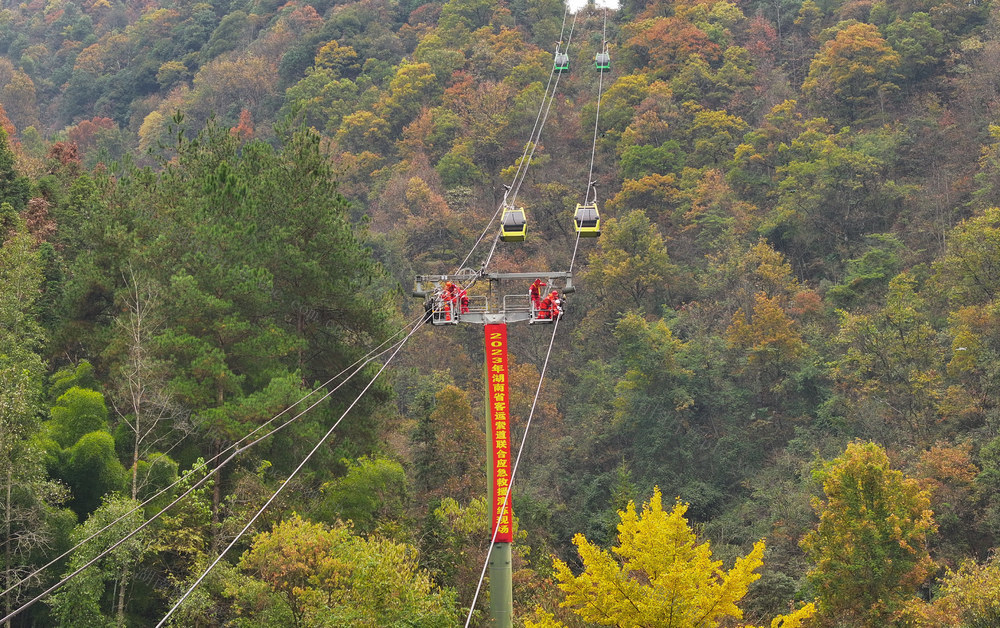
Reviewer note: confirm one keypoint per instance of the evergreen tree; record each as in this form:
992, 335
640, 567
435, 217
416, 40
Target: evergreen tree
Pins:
14, 188
29, 515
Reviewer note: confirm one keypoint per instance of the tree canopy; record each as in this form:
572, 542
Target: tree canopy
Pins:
211, 215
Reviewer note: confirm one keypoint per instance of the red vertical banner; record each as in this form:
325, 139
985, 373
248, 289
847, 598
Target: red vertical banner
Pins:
498, 398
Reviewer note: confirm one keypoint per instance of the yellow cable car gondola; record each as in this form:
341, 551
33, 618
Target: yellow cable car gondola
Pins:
513, 225
587, 220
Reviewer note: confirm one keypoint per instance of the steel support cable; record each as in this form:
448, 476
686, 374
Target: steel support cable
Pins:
562, 29
503, 203
525, 158
194, 487
535, 130
496, 240
288, 479
572, 260
366, 359
361, 363
481, 236
552, 98
597, 116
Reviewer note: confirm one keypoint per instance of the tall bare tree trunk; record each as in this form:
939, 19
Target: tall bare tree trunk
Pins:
141, 398
121, 595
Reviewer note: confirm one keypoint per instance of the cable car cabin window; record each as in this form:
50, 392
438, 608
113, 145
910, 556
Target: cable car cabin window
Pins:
513, 226
587, 220
562, 62
602, 61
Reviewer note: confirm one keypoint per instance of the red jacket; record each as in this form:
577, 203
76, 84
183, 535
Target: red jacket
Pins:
535, 291
545, 308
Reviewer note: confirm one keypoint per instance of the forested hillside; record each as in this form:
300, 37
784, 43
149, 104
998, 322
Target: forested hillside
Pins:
781, 355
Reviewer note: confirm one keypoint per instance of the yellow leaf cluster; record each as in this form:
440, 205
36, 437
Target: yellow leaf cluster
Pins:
658, 574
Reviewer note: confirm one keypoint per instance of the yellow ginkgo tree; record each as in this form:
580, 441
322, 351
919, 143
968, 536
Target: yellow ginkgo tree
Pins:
658, 575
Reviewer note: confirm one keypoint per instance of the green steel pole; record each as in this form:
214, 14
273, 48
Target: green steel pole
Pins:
501, 588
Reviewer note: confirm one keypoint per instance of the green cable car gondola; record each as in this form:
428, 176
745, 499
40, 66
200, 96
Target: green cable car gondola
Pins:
562, 62
513, 225
602, 61
587, 220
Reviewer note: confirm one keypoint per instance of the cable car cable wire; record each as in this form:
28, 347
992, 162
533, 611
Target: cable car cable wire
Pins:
538, 137
367, 358
597, 116
191, 489
363, 361
288, 480
481, 236
536, 129
525, 160
489, 257
545, 96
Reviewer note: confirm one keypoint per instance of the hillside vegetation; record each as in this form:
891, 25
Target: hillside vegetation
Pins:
211, 211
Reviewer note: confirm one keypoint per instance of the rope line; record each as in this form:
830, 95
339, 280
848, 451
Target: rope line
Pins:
552, 98
600, 90
481, 236
496, 240
563, 28
536, 131
361, 363
572, 260
288, 479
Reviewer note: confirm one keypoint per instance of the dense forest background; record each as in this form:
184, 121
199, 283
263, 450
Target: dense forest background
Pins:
210, 211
